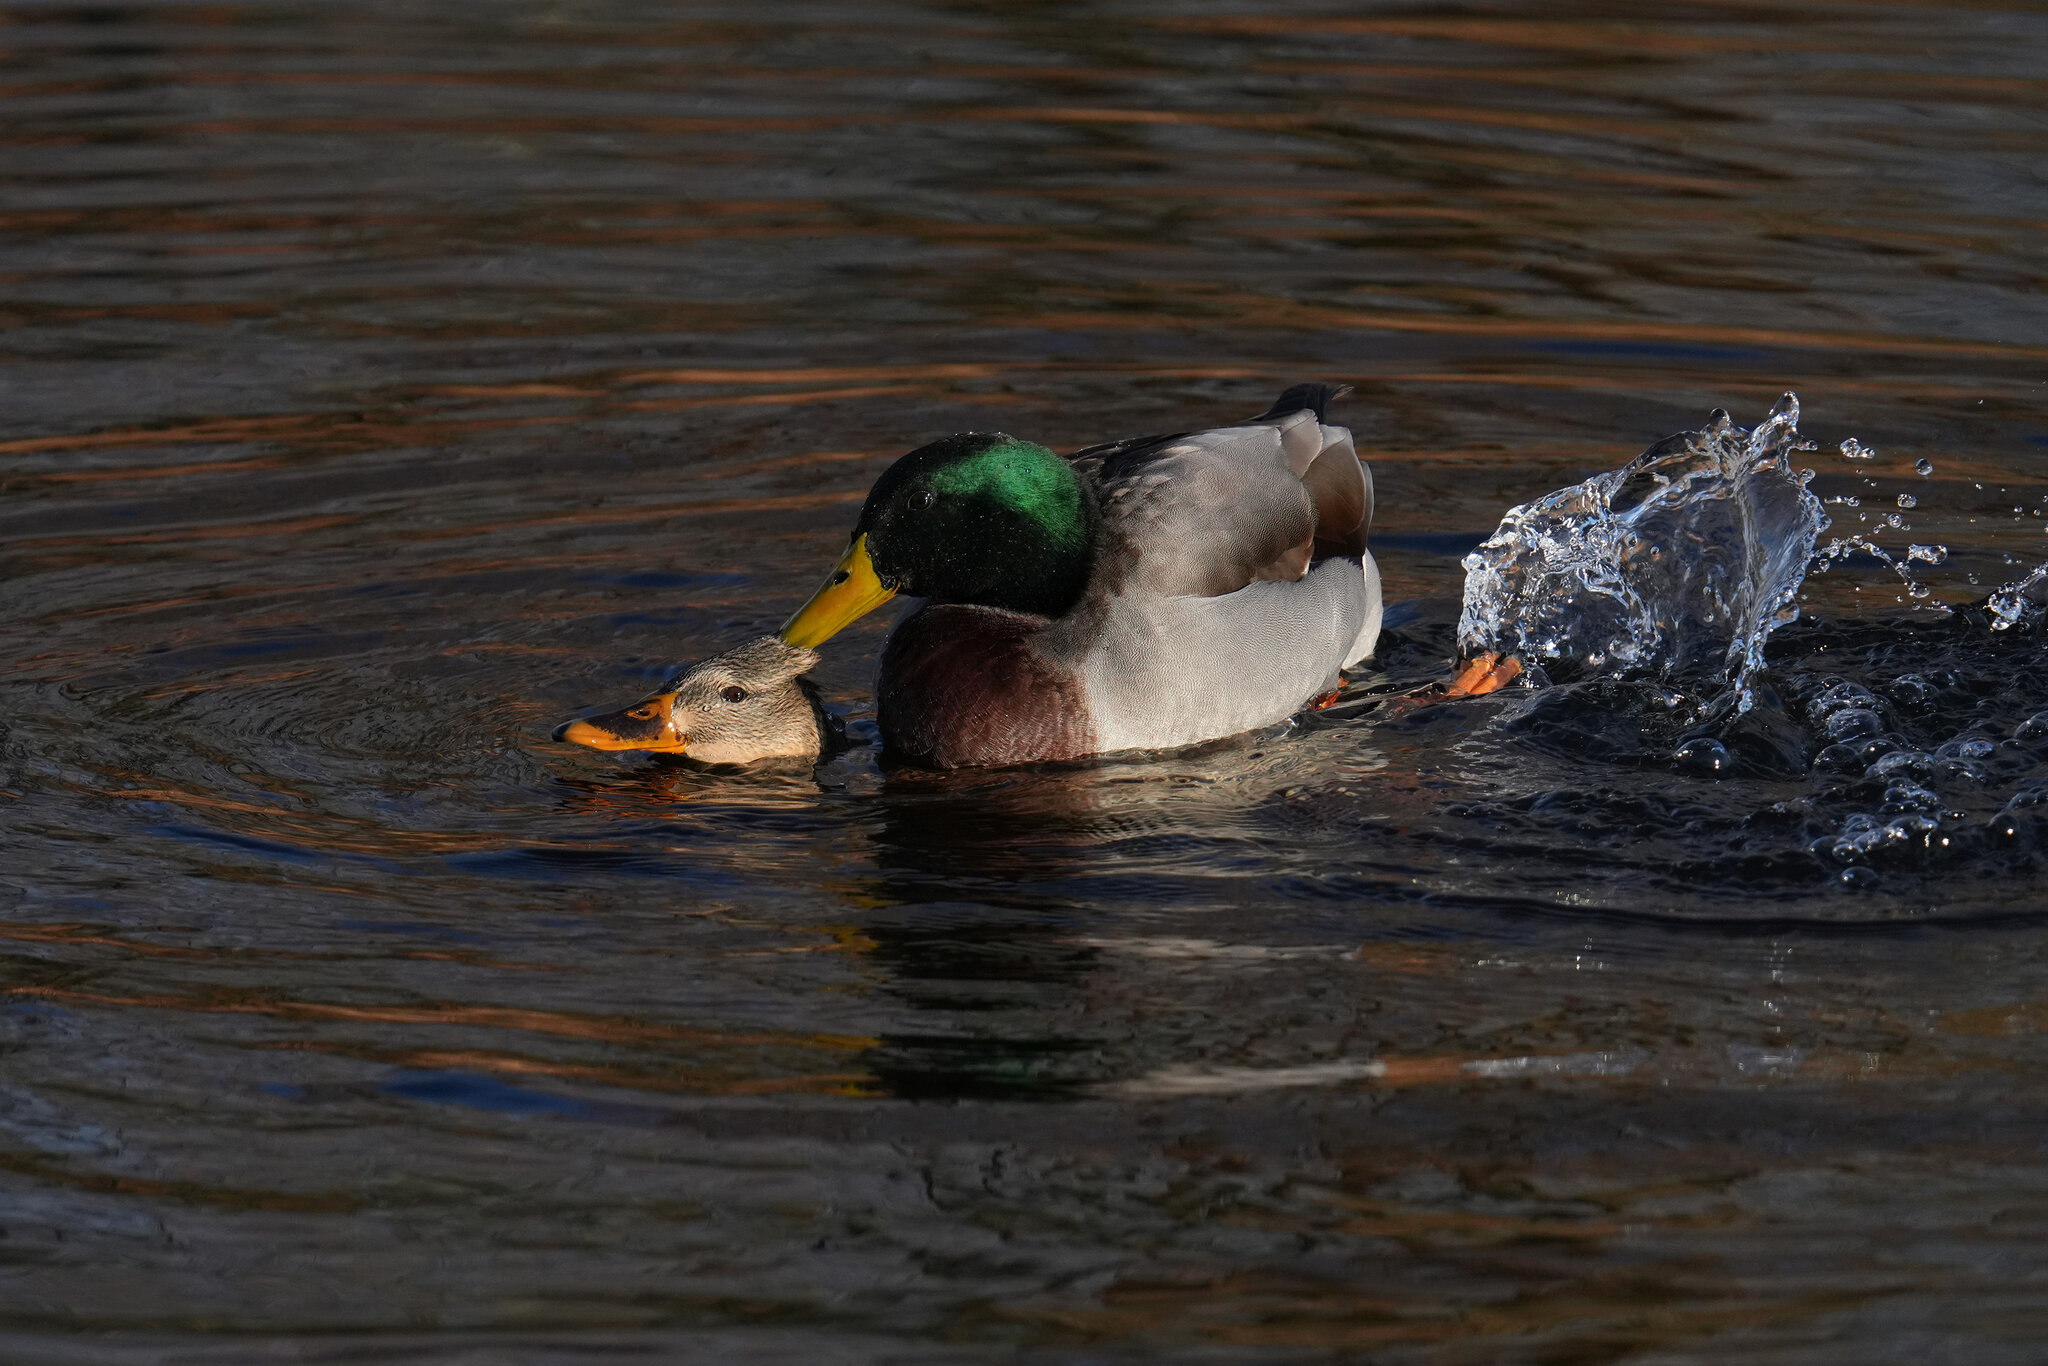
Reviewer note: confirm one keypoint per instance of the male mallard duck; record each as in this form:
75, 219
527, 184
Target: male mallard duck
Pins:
734, 708
1148, 593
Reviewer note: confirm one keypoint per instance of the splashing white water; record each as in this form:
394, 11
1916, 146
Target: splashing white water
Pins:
2022, 602
1682, 562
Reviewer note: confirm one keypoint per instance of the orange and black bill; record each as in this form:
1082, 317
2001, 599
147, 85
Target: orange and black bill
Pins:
851, 591
648, 724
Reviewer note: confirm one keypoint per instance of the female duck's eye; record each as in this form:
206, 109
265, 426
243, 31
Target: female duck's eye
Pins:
733, 693
920, 500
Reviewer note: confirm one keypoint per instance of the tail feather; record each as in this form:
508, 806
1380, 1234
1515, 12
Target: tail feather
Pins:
1317, 398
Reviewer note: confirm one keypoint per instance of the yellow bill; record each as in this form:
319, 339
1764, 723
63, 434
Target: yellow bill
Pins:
648, 724
851, 592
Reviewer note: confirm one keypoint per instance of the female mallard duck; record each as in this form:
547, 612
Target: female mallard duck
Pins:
1144, 594
747, 704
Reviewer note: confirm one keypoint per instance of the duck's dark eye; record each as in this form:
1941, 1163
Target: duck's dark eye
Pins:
920, 500
733, 692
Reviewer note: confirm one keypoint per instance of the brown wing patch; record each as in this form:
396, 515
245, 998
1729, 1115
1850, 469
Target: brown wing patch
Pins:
1341, 488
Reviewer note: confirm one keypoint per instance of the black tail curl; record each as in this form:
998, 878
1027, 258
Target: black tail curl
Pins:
1317, 398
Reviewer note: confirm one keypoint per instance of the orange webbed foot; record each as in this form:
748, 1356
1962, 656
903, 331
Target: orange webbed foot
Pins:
1483, 674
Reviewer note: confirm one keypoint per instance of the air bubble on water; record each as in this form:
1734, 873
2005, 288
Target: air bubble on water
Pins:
1682, 561
1907, 500
1853, 723
1912, 688
1705, 756
1924, 467
1852, 449
1909, 798
1863, 834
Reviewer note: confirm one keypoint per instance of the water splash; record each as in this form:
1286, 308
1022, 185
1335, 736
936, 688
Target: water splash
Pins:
2021, 602
1680, 563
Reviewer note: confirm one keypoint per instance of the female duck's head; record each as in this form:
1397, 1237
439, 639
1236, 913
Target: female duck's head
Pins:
978, 518
735, 708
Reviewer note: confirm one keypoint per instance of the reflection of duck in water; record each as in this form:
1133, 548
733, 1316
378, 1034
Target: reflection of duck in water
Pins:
1148, 593
747, 704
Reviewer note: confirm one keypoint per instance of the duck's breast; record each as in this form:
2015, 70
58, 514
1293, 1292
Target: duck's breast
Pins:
965, 687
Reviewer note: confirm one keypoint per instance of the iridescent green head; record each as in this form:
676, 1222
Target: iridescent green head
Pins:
983, 518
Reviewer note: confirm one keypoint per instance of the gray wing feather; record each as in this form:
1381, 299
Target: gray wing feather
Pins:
1208, 512
1174, 671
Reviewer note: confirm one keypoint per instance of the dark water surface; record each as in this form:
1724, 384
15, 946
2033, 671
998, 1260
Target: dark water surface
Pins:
383, 383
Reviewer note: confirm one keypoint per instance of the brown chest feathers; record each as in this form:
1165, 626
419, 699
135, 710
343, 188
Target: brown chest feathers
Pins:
961, 687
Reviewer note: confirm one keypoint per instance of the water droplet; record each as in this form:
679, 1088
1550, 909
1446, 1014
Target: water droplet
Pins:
1925, 467
1852, 449
1907, 500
